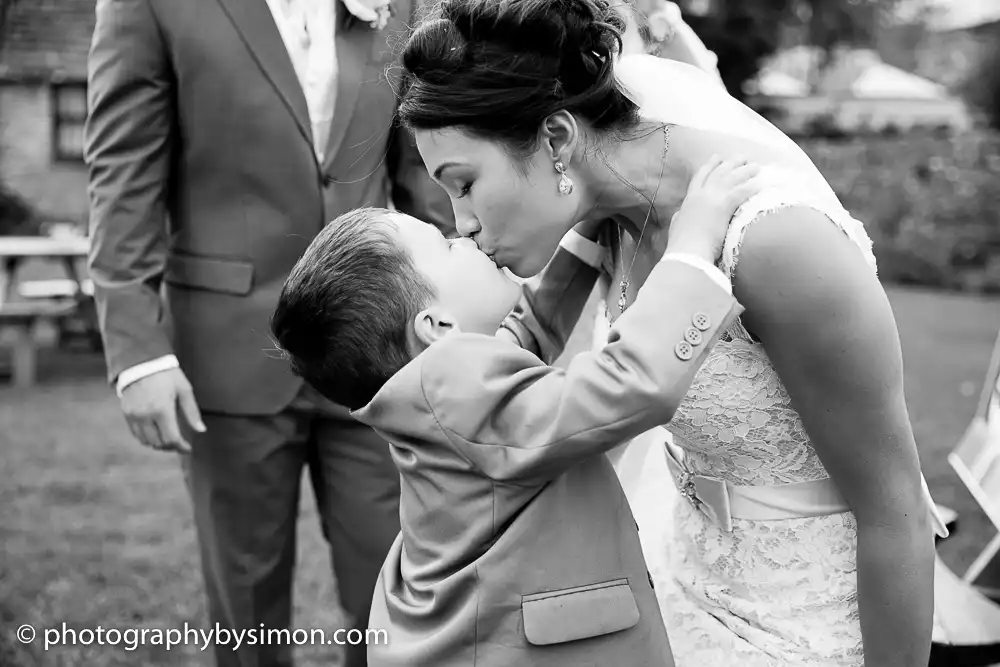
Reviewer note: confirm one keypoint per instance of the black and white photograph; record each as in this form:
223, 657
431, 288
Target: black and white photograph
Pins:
499, 333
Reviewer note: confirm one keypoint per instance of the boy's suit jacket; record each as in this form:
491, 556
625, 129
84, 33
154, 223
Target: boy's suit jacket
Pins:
518, 546
205, 181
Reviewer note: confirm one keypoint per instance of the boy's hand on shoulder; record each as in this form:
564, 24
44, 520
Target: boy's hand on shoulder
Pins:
717, 189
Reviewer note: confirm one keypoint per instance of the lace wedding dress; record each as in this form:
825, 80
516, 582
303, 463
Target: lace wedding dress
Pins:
744, 592
768, 592
753, 552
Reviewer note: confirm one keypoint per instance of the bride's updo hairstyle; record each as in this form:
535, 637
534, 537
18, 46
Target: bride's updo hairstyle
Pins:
499, 68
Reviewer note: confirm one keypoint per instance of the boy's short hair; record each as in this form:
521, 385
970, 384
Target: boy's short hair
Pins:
344, 314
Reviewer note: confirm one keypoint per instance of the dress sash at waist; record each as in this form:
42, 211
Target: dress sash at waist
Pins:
722, 501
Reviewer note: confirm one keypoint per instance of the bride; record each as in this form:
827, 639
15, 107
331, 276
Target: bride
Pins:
804, 530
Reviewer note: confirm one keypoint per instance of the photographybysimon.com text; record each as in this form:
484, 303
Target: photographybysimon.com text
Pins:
130, 639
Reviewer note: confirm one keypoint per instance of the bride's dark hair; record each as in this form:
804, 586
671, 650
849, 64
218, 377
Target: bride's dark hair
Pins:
498, 68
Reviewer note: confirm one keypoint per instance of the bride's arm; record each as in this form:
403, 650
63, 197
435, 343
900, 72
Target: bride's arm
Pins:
828, 329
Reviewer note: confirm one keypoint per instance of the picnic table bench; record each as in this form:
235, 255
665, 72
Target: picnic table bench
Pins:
20, 323
42, 302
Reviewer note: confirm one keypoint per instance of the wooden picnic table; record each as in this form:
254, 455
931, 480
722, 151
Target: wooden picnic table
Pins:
21, 318
15, 249
44, 246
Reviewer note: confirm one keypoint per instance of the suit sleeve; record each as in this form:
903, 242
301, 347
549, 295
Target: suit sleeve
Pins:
413, 190
129, 138
551, 304
531, 422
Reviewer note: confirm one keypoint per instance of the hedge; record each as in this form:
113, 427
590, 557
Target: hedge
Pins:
931, 204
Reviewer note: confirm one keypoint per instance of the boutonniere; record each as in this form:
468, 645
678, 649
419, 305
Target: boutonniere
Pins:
663, 22
376, 13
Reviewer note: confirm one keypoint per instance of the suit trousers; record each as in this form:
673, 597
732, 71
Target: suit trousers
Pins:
244, 478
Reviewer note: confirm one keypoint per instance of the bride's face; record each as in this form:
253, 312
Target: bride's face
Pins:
510, 206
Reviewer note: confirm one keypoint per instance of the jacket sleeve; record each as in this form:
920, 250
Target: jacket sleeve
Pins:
412, 189
129, 139
520, 421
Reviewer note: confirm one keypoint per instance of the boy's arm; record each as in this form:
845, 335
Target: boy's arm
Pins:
552, 302
523, 422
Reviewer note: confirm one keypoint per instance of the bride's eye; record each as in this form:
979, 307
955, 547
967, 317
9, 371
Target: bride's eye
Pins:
465, 190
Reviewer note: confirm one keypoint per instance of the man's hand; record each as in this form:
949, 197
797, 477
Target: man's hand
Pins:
150, 407
716, 191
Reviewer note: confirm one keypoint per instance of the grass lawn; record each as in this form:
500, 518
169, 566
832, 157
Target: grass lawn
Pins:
97, 530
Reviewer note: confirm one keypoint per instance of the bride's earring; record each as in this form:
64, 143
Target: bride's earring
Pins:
565, 182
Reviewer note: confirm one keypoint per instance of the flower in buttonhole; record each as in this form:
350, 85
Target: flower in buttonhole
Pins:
375, 13
664, 17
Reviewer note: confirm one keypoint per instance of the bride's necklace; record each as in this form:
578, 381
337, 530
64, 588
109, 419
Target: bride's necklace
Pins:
624, 284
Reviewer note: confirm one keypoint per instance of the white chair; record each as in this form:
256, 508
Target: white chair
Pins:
976, 460
966, 622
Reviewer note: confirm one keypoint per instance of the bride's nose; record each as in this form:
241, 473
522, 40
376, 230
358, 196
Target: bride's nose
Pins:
466, 221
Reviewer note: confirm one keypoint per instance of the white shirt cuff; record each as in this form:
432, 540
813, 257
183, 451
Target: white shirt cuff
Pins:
713, 272
587, 251
145, 369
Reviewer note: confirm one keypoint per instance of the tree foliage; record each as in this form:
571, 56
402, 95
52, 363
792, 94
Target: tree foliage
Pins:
16, 215
743, 33
983, 88
5, 6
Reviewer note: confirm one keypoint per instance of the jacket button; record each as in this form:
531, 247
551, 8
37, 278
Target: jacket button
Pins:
693, 336
684, 351
327, 180
702, 321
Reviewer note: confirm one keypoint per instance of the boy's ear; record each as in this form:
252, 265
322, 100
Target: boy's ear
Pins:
432, 324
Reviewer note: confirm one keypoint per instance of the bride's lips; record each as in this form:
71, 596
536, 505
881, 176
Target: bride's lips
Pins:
503, 269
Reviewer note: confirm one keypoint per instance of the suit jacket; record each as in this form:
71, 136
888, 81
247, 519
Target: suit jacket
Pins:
517, 545
205, 187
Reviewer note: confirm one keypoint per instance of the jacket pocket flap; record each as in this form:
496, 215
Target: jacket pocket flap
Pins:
578, 613
230, 276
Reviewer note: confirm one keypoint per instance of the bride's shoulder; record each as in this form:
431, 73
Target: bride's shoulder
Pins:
795, 243
782, 218
796, 272
768, 201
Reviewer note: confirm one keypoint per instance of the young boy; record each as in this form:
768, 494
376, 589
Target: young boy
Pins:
518, 548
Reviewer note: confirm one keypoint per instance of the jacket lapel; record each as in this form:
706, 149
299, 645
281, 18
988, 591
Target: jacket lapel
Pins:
254, 22
354, 43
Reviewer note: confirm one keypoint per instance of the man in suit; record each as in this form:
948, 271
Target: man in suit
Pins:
222, 135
